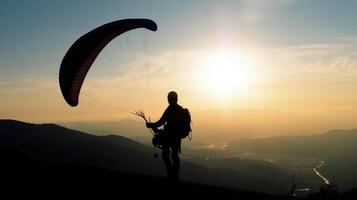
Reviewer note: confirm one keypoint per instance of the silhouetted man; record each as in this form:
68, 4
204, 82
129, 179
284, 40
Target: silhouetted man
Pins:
172, 141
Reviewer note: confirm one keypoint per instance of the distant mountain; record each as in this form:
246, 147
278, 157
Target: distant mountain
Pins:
216, 126
55, 144
125, 127
337, 147
328, 145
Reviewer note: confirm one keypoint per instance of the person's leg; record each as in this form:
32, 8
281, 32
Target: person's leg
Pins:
166, 158
175, 160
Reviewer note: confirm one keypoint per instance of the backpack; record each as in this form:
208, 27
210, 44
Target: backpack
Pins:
185, 123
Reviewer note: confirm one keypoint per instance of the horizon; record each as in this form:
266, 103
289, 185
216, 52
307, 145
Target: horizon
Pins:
263, 69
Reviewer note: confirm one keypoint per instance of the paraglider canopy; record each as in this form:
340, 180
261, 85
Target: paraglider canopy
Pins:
83, 52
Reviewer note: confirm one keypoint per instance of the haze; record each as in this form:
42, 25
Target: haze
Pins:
243, 68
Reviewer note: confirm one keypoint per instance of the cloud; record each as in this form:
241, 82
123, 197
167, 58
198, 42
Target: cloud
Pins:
317, 54
345, 64
255, 10
311, 49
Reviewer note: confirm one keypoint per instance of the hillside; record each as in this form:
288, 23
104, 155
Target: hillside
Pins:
52, 143
40, 179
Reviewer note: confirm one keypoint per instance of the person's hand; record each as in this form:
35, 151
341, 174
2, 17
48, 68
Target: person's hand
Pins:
148, 125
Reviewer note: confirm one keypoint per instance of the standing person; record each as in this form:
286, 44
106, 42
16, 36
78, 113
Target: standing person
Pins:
172, 133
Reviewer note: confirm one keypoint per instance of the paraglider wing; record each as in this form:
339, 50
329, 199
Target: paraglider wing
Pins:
81, 55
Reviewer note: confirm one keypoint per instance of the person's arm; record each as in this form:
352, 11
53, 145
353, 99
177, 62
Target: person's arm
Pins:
159, 123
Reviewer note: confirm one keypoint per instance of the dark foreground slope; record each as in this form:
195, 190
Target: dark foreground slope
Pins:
25, 176
55, 144
51, 161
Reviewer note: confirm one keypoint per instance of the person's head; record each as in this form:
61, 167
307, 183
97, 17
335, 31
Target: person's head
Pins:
172, 98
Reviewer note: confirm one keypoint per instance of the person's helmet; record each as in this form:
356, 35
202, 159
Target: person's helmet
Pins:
172, 97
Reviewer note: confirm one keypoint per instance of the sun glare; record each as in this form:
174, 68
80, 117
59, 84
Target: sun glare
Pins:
226, 72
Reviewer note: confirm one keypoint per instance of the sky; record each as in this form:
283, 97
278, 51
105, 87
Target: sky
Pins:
295, 57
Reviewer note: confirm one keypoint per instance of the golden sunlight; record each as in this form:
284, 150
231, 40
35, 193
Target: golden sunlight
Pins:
226, 72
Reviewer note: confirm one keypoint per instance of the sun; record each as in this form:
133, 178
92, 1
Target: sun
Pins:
226, 72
